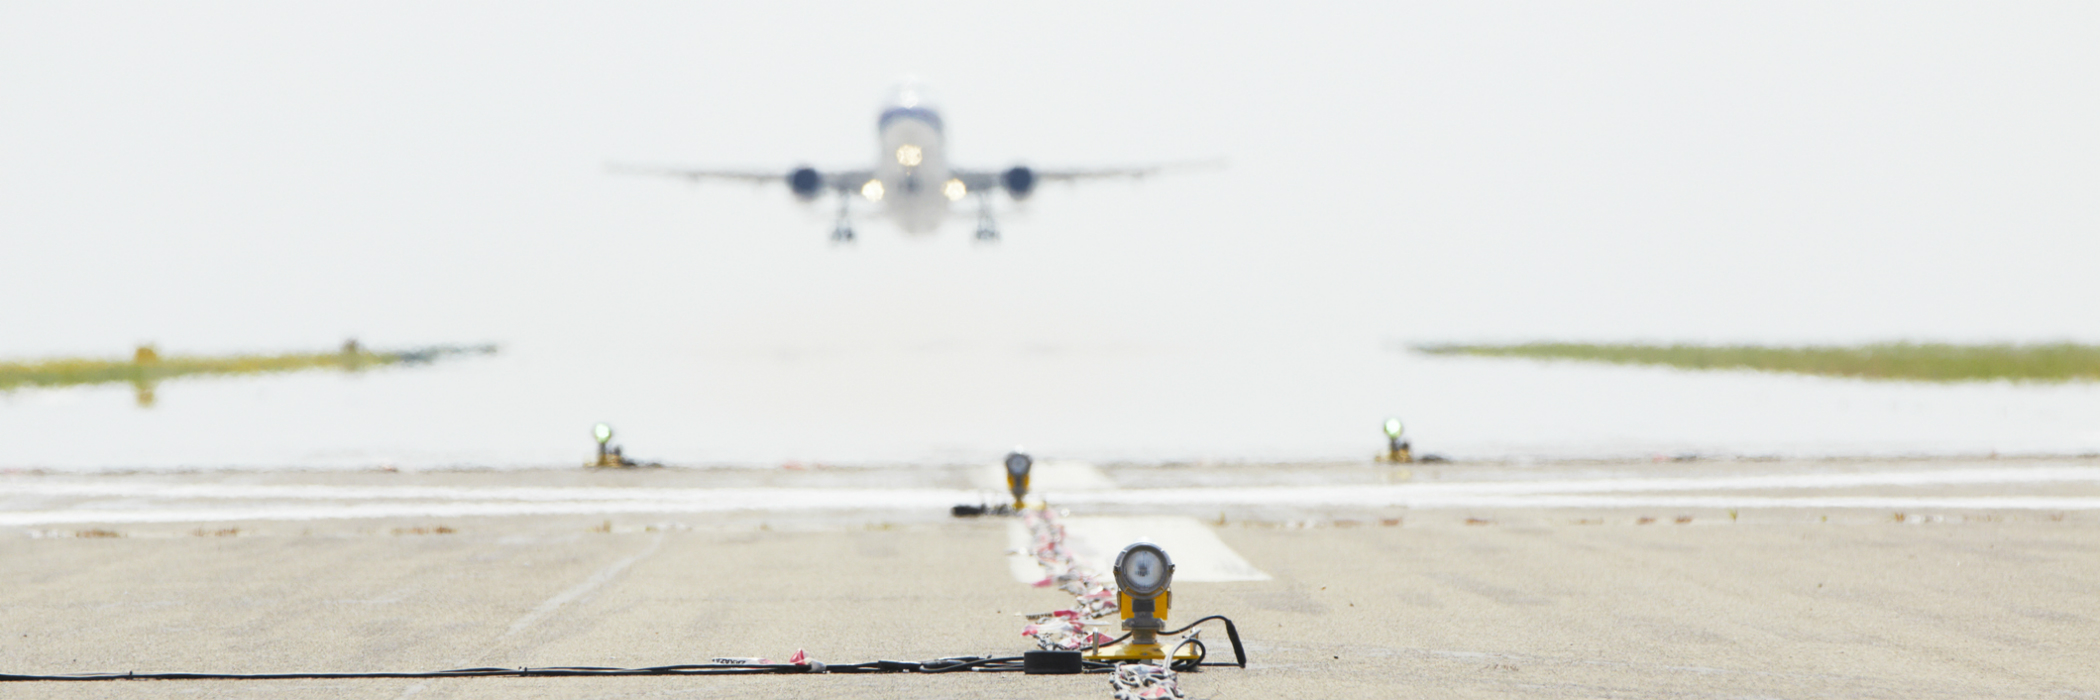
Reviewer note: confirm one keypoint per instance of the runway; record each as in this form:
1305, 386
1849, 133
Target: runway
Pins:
1931, 578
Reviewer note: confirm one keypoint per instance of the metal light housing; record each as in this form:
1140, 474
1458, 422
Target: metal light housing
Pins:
1143, 570
1017, 465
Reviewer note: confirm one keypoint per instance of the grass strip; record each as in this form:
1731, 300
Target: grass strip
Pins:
147, 366
1928, 362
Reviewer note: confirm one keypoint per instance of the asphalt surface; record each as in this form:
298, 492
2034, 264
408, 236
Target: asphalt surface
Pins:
1362, 601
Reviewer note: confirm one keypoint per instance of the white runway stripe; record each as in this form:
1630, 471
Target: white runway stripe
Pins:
757, 497
498, 509
126, 489
148, 502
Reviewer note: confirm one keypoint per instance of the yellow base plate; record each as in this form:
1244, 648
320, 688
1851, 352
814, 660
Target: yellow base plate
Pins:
1138, 652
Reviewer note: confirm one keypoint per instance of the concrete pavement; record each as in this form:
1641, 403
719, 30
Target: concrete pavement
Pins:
1363, 602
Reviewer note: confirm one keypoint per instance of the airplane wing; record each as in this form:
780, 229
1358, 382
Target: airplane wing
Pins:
756, 177
804, 181
1020, 180
1075, 175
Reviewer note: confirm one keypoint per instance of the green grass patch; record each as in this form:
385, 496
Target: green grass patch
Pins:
147, 367
1928, 362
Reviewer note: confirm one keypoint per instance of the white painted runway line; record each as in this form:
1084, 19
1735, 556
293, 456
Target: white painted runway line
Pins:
1538, 493
1198, 554
103, 500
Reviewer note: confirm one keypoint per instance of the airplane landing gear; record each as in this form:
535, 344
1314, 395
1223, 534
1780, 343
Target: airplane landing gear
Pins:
843, 231
986, 229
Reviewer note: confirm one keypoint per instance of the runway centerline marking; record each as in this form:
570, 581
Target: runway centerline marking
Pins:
1198, 554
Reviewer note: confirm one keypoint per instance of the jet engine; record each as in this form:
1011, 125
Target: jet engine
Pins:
806, 183
1019, 181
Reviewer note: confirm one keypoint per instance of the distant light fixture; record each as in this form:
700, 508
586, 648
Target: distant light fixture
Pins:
910, 156
1397, 448
872, 190
1017, 465
955, 189
605, 455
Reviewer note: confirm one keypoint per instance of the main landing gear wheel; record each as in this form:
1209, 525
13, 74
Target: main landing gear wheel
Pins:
843, 231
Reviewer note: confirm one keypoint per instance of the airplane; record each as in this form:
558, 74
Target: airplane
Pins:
912, 179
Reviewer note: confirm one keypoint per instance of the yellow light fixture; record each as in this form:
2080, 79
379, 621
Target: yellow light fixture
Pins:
1143, 573
1017, 464
872, 190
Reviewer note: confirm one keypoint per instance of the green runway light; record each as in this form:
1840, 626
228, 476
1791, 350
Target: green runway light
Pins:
603, 432
1393, 428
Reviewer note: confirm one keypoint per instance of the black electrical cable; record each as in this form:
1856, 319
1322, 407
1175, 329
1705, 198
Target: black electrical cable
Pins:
943, 665
1178, 664
1239, 652
947, 665
1232, 633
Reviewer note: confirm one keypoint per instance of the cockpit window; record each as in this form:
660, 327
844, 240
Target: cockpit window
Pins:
916, 113
911, 99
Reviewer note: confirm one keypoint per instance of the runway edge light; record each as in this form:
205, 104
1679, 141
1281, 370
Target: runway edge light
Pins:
1397, 448
1018, 464
604, 434
1144, 579
609, 455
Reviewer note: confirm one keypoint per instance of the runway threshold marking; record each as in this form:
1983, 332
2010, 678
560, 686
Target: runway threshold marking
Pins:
1199, 556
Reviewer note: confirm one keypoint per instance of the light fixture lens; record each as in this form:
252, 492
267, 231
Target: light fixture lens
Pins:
603, 433
872, 190
1143, 570
1017, 464
955, 190
1393, 429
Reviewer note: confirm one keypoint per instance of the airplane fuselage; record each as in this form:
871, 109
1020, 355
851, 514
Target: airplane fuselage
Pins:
912, 182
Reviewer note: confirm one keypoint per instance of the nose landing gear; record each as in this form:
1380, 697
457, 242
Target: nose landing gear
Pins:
987, 230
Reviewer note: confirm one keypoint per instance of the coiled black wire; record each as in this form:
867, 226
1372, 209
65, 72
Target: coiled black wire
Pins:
1232, 633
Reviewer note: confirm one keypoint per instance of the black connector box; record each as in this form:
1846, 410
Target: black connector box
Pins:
1053, 662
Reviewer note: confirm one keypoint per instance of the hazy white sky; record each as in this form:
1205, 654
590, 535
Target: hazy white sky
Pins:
253, 175
230, 175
